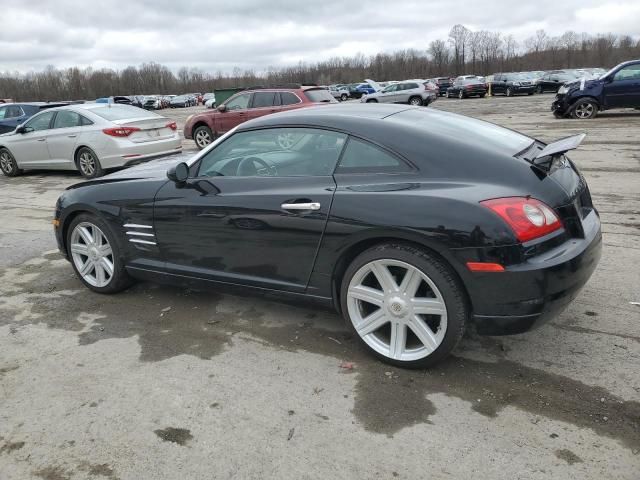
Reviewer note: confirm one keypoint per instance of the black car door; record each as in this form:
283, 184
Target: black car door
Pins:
623, 89
498, 84
255, 210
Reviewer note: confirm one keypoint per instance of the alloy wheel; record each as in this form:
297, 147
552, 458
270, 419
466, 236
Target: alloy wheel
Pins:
203, 138
415, 101
92, 254
460, 94
584, 110
87, 163
6, 162
397, 310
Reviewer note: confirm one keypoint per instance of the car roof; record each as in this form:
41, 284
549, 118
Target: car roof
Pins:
35, 104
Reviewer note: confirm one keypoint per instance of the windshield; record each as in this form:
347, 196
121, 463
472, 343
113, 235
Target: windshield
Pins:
606, 74
320, 96
121, 112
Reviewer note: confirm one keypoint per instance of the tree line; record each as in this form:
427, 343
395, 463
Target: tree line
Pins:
464, 52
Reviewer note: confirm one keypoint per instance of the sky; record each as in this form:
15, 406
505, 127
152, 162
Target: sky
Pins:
252, 34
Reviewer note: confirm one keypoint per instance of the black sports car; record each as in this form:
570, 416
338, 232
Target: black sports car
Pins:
467, 87
406, 229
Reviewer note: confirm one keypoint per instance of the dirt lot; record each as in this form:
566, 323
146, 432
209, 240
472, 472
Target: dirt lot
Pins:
161, 382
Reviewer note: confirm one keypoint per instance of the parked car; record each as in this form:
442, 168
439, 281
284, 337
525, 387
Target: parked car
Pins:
510, 84
552, 81
13, 114
617, 88
152, 102
413, 93
137, 100
90, 138
208, 96
181, 101
248, 104
467, 86
443, 83
339, 92
360, 89
122, 100
408, 259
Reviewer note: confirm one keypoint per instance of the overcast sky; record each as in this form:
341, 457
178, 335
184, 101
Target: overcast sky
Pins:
220, 35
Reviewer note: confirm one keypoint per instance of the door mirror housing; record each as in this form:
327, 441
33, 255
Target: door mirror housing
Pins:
222, 108
178, 173
21, 129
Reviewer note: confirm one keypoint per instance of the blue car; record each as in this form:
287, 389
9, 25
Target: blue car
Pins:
583, 99
14, 114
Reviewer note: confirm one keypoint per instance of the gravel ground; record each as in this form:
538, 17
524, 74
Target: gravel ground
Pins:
160, 382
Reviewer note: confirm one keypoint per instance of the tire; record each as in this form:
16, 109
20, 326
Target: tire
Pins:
416, 101
584, 109
88, 163
344, 97
96, 256
482, 95
448, 95
433, 279
540, 89
203, 136
529, 93
8, 164
461, 95
509, 92
373, 100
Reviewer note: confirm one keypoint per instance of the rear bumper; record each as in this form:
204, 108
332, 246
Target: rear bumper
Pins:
526, 296
524, 89
120, 154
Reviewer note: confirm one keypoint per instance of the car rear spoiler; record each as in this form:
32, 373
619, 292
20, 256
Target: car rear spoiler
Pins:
561, 146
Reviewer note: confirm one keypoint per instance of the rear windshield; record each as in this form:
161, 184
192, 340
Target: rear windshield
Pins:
121, 112
470, 81
320, 95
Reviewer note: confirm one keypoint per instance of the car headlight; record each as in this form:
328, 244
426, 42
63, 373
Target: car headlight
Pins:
563, 89
516, 84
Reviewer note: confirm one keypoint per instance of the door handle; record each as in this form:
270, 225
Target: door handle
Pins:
301, 206
72, 136
41, 139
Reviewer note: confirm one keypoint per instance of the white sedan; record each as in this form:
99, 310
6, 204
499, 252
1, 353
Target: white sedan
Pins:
89, 137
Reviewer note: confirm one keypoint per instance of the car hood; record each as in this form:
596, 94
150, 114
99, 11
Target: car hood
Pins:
588, 83
152, 170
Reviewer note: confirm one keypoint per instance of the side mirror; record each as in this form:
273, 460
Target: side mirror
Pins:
21, 129
222, 108
178, 173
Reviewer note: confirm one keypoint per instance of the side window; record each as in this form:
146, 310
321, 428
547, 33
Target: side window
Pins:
275, 152
40, 122
240, 102
66, 119
289, 98
3, 112
631, 72
13, 111
263, 99
364, 157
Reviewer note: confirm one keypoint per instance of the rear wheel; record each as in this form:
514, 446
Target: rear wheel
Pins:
509, 92
540, 89
529, 93
203, 136
415, 101
95, 255
461, 94
88, 163
372, 100
406, 306
344, 97
8, 164
482, 95
584, 109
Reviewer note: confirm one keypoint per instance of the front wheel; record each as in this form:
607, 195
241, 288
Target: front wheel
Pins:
482, 95
8, 164
88, 163
415, 101
95, 255
540, 89
584, 109
406, 306
372, 100
509, 92
344, 97
461, 95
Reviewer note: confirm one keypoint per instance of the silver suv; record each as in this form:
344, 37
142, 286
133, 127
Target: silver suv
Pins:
413, 92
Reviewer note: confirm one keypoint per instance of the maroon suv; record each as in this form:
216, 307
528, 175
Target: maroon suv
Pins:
249, 104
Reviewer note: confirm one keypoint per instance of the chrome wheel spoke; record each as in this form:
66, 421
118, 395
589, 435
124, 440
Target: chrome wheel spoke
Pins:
367, 294
384, 277
80, 249
398, 340
423, 332
410, 282
106, 264
372, 323
86, 235
428, 306
86, 268
105, 250
100, 273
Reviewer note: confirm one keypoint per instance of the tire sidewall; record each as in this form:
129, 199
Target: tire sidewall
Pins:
206, 129
581, 102
120, 279
98, 171
440, 273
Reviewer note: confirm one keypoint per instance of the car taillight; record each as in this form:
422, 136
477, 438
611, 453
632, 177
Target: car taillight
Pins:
528, 218
172, 125
120, 131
